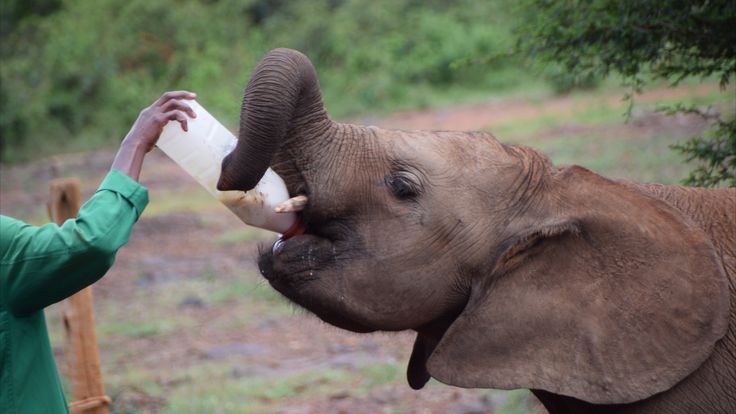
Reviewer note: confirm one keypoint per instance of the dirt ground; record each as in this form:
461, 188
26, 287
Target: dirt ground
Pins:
174, 274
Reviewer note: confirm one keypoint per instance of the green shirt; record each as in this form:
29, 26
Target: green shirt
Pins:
43, 265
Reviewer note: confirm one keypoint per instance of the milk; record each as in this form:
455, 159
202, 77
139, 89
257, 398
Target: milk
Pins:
200, 152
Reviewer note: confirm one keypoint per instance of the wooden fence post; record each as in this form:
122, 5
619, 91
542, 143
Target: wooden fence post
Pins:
83, 357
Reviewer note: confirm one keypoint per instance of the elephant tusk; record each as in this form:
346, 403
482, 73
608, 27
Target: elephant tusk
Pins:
293, 204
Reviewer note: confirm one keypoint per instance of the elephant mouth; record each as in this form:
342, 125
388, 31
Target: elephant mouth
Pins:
298, 256
304, 268
296, 230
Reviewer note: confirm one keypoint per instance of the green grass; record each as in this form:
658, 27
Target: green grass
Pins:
223, 393
515, 402
587, 109
246, 234
167, 202
244, 290
378, 374
158, 311
642, 159
591, 109
137, 329
505, 84
144, 380
604, 144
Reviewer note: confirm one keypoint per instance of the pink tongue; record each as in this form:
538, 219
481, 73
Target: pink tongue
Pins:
296, 229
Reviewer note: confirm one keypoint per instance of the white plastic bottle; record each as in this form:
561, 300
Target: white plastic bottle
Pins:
200, 152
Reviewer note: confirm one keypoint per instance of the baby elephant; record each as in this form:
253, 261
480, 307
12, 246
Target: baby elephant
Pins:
598, 295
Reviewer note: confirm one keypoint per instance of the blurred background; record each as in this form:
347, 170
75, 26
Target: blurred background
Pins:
639, 91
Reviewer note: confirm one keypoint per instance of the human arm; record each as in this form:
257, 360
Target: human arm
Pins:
147, 128
43, 265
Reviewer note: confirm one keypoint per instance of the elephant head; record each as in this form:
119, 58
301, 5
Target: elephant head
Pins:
513, 273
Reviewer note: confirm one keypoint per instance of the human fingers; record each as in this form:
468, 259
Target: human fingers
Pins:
176, 104
176, 115
167, 96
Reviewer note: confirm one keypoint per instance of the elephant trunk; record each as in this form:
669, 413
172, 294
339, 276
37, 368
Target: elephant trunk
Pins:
282, 96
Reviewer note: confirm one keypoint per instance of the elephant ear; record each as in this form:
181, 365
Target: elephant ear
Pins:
614, 297
416, 372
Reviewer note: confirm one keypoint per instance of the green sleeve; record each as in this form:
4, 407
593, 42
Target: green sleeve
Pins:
43, 265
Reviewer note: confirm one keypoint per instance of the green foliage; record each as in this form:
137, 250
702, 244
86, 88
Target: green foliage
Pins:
671, 39
76, 73
85, 70
564, 82
648, 39
377, 53
717, 154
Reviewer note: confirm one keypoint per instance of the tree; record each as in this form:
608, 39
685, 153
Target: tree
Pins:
74, 74
643, 41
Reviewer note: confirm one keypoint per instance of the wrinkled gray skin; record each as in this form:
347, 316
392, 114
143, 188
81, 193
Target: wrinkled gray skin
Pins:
598, 295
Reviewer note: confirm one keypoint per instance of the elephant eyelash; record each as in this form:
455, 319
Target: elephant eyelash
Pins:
404, 185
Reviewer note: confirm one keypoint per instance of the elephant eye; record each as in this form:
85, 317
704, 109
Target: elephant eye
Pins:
403, 184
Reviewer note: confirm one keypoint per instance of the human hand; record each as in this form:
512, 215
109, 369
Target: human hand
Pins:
146, 130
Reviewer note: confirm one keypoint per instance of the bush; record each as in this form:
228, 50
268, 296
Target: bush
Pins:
82, 73
76, 73
647, 39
